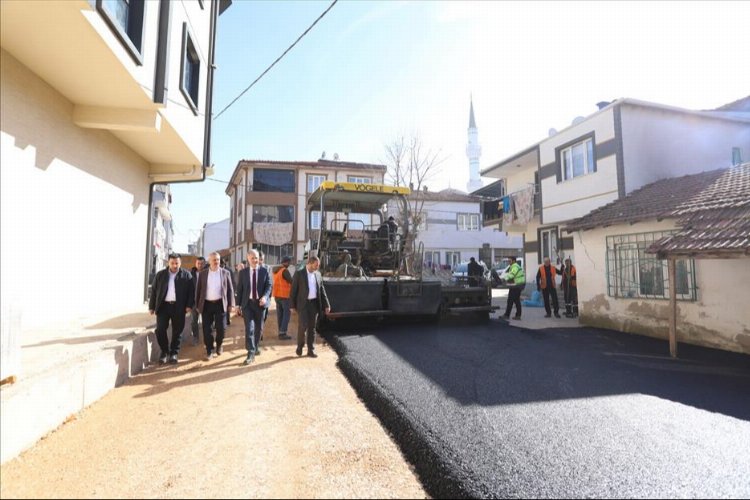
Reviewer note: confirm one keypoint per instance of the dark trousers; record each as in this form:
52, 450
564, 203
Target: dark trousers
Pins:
213, 316
306, 321
253, 316
514, 297
571, 300
547, 292
167, 313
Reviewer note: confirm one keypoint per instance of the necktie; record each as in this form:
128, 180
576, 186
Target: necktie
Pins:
255, 288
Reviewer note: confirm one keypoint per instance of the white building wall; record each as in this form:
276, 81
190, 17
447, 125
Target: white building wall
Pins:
216, 236
576, 197
659, 144
71, 197
717, 319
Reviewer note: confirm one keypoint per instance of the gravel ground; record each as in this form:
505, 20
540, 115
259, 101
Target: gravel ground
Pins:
285, 427
499, 411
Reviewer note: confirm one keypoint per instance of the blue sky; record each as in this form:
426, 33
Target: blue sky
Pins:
372, 70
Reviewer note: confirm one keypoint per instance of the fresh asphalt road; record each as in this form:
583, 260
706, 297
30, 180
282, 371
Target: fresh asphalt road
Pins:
493, 410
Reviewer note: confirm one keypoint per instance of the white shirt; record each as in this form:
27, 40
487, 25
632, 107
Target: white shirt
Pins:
312, 286
213, 285
171, 295
254, 271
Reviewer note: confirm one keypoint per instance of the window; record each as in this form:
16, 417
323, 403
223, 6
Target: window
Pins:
432, 258
190, 70
125, 17
453, 259
577, 159
548, 244
468, 222
273, 213
359, 180
361, 221
271, 180
632, 273
315, 219
314, 182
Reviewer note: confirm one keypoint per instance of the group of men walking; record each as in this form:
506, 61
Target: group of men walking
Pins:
208, 293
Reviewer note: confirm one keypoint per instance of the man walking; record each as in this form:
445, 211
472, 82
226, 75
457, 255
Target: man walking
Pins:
517, 279
172, 297
282, 288
545, 281
253, 291
214, 298
200, 264
309, 298
570, 289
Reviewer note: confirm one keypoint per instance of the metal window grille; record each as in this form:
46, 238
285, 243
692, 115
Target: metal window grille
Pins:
633, 273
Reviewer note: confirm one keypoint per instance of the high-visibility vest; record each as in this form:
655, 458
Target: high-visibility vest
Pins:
281, 287
516, 274
543, 280
570, 275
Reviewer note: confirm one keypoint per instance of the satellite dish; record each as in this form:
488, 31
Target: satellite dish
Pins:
335, 157
323, 155
577, 120
551, 132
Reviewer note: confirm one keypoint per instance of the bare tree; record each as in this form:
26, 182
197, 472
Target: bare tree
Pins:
411, 164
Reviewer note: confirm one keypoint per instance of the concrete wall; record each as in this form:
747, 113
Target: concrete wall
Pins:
718, 318
74, 208
659, 144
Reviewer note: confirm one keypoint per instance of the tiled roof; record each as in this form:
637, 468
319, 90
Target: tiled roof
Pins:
712, 208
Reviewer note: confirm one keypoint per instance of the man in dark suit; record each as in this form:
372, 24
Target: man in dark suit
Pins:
253, 293
214, 297
309, 299
172, 297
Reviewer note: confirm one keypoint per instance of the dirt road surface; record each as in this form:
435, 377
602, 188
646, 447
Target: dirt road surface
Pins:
284, 427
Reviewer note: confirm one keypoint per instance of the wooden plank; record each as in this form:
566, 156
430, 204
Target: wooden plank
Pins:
672, 309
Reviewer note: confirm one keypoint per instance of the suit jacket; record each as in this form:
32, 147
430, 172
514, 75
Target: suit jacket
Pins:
300, 291
183, 288
245, 286
227, 290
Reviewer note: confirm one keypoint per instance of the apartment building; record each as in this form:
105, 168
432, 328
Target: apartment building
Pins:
268, 198
101, 100
601, 158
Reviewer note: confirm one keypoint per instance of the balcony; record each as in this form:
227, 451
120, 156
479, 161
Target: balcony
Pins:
492, 213
70, 45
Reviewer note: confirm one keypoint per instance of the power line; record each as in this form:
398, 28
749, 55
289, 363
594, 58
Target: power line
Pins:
277, 59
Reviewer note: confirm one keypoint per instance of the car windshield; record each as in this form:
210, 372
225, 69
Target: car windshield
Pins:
461, 268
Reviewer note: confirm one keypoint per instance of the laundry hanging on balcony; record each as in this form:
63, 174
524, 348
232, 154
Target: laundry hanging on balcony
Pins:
523, 206
273, 233
507, 210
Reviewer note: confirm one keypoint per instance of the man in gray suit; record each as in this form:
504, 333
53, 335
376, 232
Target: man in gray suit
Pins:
214, 297
309, 298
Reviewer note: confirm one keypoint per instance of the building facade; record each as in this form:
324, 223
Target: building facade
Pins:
89, 127
214, 237
162, 231
268, 203
601, 158
452, 230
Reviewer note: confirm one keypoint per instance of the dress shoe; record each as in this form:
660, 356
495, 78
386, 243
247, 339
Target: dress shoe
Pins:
517, 317
312, 354
249, 360
284, 336
299, 351
505, 316
209, 355
162, 359
557, 315
547, 315
173, 359
220, 350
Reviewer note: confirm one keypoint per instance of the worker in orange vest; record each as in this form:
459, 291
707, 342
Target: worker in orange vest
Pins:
570, 288
545, 281
282, 288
